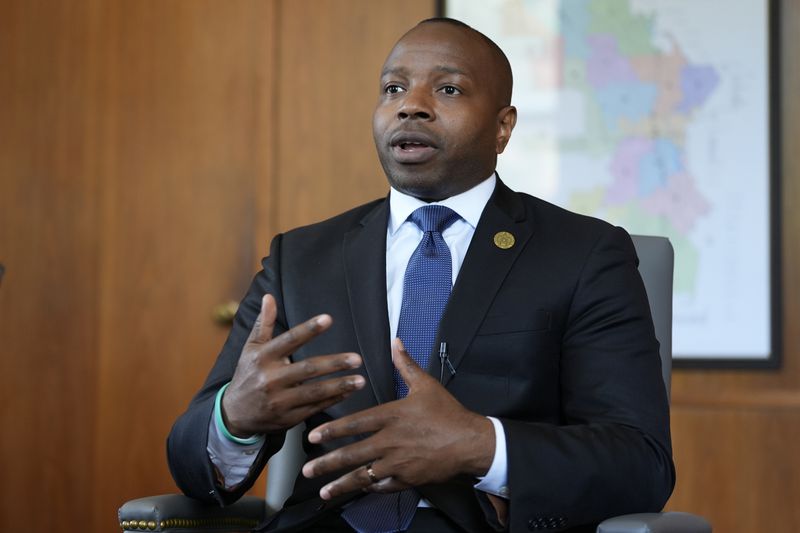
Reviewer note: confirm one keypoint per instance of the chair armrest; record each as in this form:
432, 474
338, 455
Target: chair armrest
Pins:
179, 514
655, 523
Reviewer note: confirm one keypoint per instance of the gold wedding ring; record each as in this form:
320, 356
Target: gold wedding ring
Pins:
371, 473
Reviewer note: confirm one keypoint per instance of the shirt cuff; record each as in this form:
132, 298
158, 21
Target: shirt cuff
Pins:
496, 479
233, 461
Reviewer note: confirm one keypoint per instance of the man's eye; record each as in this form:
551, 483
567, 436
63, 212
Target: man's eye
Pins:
392, 89
450, 90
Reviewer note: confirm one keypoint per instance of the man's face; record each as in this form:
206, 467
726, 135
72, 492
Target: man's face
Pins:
440, 120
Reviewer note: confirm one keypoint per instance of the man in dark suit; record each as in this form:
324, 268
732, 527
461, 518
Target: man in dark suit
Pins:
542, 406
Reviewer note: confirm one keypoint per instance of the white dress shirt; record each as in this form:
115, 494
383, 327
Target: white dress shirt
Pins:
233, 461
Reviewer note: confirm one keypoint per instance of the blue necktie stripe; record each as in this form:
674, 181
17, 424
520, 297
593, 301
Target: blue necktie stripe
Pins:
426, 287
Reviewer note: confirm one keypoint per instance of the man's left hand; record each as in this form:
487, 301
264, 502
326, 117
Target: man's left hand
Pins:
426, 437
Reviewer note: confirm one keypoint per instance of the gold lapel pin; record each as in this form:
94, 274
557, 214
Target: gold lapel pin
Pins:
504, 240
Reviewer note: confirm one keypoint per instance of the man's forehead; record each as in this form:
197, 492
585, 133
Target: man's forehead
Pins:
446, 48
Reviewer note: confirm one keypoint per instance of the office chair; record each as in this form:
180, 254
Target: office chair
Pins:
179, 514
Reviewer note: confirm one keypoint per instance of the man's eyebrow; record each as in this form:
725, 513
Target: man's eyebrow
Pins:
451, 70
396, 71
403, 71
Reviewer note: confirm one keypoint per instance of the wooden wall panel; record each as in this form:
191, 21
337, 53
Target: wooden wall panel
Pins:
133, 141
48, 320
183, 90
738, 467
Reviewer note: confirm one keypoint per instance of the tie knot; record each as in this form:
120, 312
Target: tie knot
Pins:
433, 218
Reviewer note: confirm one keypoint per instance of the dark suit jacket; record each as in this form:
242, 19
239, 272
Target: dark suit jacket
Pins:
552, 336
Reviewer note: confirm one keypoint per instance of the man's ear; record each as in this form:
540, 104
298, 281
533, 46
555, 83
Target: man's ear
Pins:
506, 120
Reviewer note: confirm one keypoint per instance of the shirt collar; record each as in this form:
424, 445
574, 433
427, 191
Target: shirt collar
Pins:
469, 204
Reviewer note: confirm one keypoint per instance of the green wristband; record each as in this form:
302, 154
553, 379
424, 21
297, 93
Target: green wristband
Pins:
255, 439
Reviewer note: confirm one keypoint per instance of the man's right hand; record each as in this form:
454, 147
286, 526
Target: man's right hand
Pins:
268, 392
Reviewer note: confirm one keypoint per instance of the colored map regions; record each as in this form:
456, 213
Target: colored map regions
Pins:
652, 173
697, 83
639, 100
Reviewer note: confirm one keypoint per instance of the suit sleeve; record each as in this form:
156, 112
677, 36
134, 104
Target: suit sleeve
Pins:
187, 456
612, 454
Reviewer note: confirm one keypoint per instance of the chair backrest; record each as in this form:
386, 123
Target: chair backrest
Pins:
283, 469
656, 259
656, 263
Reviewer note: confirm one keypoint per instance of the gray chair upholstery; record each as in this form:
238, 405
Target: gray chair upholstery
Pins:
176, 513
656, 260
284, 467
672, 522
656, 263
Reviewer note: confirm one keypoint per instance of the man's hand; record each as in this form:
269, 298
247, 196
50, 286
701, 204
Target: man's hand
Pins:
426, 437
268, 392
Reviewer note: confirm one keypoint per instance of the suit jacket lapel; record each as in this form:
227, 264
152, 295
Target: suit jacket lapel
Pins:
365, 272
482, 273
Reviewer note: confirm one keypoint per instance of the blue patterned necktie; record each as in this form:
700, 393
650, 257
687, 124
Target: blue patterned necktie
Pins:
426, 288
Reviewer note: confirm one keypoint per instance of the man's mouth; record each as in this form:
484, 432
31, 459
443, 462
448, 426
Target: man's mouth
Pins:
412, 148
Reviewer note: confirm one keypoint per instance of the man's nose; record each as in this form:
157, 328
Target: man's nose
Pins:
416, 105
